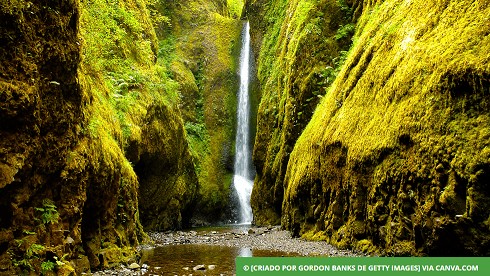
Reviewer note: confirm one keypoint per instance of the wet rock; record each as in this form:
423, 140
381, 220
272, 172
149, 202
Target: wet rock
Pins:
199, 267
134, 266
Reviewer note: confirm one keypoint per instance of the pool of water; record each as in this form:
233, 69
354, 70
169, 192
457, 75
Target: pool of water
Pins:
182, 258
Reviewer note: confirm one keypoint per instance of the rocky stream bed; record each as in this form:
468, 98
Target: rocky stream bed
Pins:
247, 241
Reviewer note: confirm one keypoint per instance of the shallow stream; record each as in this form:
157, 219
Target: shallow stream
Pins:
181, 259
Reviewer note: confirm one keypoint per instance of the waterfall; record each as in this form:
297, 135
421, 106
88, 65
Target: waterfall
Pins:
242, 180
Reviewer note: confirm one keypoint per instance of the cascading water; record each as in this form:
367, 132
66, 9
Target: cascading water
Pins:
242, 180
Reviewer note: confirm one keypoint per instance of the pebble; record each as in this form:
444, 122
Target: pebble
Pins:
270, 238
134, 266
260, 238
199, 267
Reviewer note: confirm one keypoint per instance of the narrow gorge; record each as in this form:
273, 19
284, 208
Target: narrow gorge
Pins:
361, 123
380, 127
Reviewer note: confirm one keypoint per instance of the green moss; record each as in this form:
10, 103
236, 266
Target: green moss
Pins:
315, 235
235, 7
91, 112
135, 123
366, 246
300, 52
203, 43
410, 97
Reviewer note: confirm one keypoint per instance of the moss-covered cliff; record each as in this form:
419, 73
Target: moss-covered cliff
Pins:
42, 114
91, 134
135, 115
93, 143
300, 49
396, 156
200, 42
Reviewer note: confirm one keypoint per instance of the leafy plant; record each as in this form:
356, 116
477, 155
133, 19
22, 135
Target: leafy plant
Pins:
60, 262
34, 249
48, 213
345, 31
24, 264
47, 266
160, 21
329, 73
31, 253
345, 8
198, 130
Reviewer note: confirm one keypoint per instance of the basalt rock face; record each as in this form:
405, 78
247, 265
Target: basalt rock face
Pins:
88, 120
201, 46
146, 173
41, 119
299, 49
168, 182
41, 116
396, 158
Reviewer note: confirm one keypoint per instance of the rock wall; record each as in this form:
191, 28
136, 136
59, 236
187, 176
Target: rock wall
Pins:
202, 42
42, 116
395, 158
168, 182
90, 126
299, 51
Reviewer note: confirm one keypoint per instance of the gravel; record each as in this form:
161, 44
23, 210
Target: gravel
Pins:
260, 238
256, 238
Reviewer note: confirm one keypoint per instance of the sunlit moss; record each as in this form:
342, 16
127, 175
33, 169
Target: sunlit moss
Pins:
409, 110
203, 43
299, 58
131, 118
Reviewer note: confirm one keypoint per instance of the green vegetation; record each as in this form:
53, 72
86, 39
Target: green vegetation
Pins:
136, 109
372, 134
31, 257
100, 115
235, 7
46, 267
122, 72
201, 47
386, 164
301, 53
32, 252
48, 213
345, 31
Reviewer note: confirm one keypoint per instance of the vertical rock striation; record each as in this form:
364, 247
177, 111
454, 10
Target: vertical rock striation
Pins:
81, 97
395, 158
298, 52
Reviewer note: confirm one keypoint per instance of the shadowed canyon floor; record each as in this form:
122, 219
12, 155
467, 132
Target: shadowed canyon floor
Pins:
212, 251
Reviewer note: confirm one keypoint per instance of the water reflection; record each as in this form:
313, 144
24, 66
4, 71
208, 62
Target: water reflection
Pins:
244, 252
182, 259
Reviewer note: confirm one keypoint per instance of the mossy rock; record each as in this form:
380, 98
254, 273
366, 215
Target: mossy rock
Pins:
78, 113
409, 111
297, 46
205, 38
